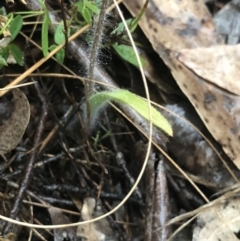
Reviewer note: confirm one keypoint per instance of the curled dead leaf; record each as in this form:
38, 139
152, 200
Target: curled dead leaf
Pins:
220, 222
57, 217
13, 130
97, 231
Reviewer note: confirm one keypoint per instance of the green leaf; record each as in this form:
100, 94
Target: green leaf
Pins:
59, 36
3, 62
42, 3
80, 6
93, 8
132, 22
87, 10
16, 26
52, 47
3, 11
45, 24
128, 54
120, 28
87, 15
60, 55
4, 53
101, 99
17, 53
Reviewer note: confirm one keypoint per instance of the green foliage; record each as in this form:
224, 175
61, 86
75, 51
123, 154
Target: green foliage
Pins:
17, 53
45, 26
11, 49
60, 55
44, 35
3, 61
99, 138
4, 53
13, 25
125, 51
16, 26
3, 11
99, 101
87, 9
59, 36
128, 54
121, 27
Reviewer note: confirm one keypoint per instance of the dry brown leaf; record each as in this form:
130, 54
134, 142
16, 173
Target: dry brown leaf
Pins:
218, 109
174, 25
9, 237
13, 130
218, 64
219, 223
97, 231
61, 234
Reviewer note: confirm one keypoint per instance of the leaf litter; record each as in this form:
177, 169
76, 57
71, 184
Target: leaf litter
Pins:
175, 29
206, 70
224, 226
14, 128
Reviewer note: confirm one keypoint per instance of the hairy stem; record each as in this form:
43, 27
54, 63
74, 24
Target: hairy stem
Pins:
97, 33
